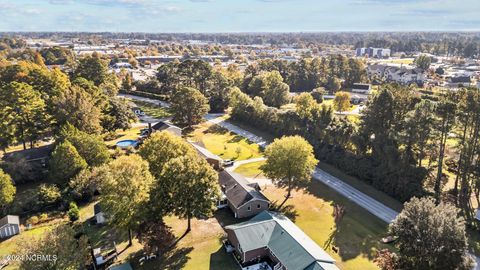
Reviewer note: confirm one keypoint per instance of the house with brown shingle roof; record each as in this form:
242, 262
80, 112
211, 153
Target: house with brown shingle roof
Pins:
244, 198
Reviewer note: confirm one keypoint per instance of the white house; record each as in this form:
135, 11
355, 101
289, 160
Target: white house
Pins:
9, 226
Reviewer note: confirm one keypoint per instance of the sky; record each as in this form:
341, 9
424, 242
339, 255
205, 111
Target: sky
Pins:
239, 15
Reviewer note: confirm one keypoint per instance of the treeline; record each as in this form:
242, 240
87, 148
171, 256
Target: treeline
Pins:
270, 79
332, 72
463, 44
36, 101
400, 145
214, 83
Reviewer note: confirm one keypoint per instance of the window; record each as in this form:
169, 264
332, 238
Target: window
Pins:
249, 208
258, 206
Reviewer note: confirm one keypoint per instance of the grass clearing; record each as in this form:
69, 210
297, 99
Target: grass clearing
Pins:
152, 110
357, 235
225, 144
201, 249
251, 170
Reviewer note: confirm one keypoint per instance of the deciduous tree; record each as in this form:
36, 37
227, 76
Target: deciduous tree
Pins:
63, 249
193, 186
125, 190
7, 191
290, 162
431, 236
341, 102
188, 106
66, 163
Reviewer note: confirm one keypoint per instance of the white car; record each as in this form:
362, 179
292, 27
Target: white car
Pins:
228, 163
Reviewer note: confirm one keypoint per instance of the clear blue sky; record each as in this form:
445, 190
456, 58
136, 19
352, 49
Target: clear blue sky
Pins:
239, 15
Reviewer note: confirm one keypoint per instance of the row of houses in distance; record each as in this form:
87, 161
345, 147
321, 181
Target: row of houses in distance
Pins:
399, 74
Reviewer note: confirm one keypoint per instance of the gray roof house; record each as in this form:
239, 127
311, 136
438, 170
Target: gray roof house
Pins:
161, 126
243, 198
9, 226
271, 237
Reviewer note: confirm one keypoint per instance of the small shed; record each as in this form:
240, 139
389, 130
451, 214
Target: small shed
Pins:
9, 226
99, 215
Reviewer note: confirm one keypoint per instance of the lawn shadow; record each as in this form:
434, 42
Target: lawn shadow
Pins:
357, 232
216, 129
287, 210
235, 139
226, 217
174, 259
221, 260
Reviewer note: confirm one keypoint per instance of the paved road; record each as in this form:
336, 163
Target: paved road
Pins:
371, 205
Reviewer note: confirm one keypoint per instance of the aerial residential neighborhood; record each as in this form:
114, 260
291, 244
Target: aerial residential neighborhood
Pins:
239, 135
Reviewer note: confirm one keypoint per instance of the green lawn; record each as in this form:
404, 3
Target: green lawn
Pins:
201, 249
250, 170
225, 144
357, 235
152, 110
9, 246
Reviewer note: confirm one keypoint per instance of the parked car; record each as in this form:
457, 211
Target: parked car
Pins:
228, 163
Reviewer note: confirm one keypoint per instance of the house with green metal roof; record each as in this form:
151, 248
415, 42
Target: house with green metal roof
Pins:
273, 238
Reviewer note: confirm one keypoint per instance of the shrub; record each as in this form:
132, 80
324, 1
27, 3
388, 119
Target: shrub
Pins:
33, 220
48, 194
43, 218
73, 212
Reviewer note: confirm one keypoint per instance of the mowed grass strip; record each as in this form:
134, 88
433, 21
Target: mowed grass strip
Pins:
251, 170
226, 144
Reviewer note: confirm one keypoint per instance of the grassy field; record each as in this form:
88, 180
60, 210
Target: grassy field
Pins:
357, 235
201, 249
250, 170
225, 144
152, 110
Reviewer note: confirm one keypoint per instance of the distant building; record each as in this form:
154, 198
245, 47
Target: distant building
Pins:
361, 88
9, 226
401, 75
460, 81
272, 238
243, 198
373, 52
122, 65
